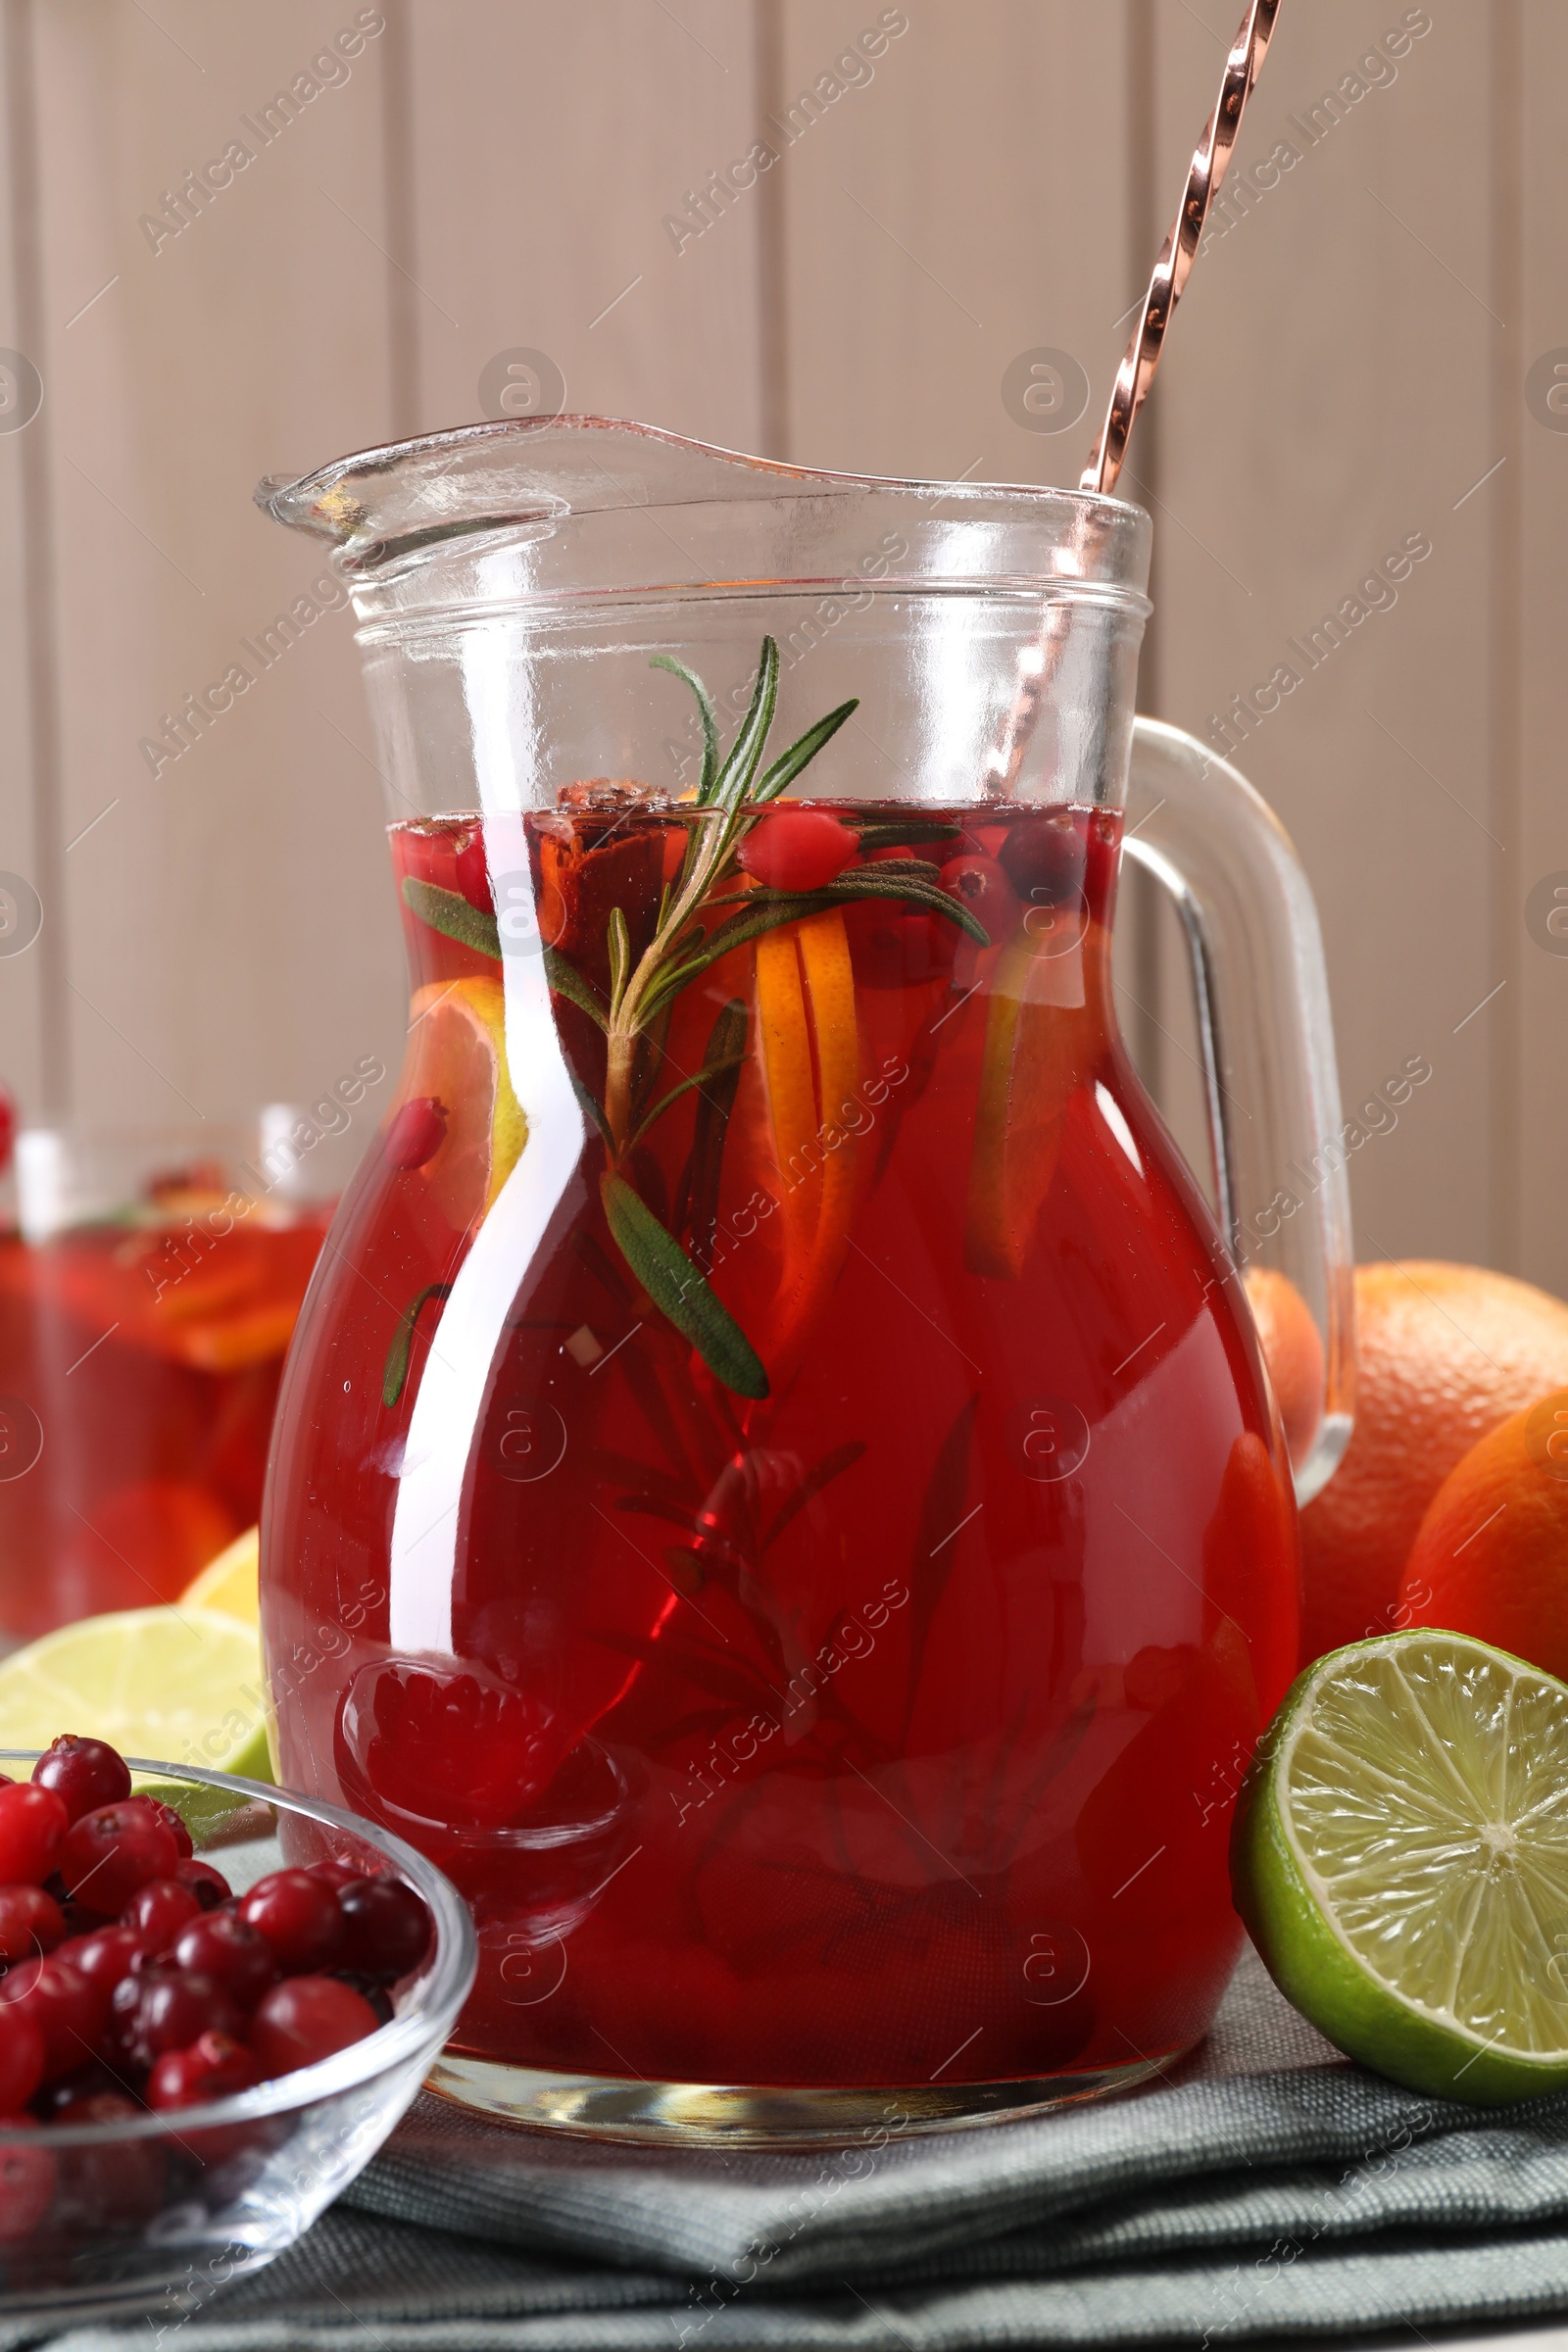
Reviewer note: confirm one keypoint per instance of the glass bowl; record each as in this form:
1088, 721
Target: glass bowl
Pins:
159, 2212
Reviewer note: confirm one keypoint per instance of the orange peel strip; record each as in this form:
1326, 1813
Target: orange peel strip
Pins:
786, 1043
830, 984
1028, 1070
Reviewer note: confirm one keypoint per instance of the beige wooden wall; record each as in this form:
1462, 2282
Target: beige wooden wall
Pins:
1349, 368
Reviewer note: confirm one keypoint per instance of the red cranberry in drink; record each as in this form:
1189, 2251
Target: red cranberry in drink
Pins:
23, 2058
159, 1910
68, 2010
1043, 858
108, 1854
31, 1922
207, 1885
165, 2008
87, 1773
307, 2018
335, 1875
26, 2184
175, 1823
416, 1132
225, 1946
298, 1918
213, 2068
388, 1928
107, 1956
797, 849
34, 1822
980, 884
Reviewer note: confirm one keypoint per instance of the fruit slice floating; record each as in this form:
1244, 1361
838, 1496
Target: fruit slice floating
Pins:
1400, 1854
1030, 1067
230, 1584
183, 1685
458, 1059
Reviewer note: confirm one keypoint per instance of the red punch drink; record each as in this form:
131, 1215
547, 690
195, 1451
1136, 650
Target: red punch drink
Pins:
140, 1365
875, 1558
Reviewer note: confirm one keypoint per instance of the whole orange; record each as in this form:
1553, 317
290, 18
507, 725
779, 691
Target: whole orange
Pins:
1491, 1557
1292, 1351
1445, 1353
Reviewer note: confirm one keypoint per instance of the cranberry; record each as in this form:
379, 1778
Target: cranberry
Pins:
370, 1989
105, 1956
213, 2068
416, 1132
176, 1825
307, 2018
68, 2009
980, 884
300, 1919
388, 1928
23, 2058
159, 1910
1042, 858
30, 1924
207, 1885
122, 2180
797, 849
87, 1773
110, 1853
34, 1821
163, 2008
335, 1875
58, 2097
226, 1947
26, 2182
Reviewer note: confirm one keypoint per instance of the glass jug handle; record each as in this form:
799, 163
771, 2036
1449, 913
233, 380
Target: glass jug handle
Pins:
1266, 1042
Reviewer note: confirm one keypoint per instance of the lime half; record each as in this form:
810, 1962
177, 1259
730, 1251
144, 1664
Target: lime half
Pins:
1401, 1855
183, 1685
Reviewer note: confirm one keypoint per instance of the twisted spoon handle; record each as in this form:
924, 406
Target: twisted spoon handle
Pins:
1180, 249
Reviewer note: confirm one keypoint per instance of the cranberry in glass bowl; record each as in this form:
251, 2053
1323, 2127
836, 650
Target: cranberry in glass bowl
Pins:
129, 2167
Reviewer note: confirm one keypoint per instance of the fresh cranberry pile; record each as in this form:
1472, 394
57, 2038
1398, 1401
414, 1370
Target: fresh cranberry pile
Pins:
134, 1978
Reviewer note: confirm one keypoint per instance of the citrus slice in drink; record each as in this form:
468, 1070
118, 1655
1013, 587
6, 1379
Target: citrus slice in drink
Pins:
1401, 1855
457, 1060
230, 1584
181, 1685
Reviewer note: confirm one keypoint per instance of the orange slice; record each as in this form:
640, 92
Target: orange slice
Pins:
457, 1057
1028, 1072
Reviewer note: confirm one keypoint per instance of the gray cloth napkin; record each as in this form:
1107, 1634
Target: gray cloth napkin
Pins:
1266, 2188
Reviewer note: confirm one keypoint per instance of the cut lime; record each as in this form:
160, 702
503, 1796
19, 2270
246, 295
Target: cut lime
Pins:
229, 1583
183, 1685
1401, 1855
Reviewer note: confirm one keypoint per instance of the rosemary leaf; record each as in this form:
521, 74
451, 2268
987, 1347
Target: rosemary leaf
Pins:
789, 764
734, 779
915, 883
678, 1289
704, 703
727, 1045
619, 944
888, 833
394, 1378
568, 982
449, 913
703, 1077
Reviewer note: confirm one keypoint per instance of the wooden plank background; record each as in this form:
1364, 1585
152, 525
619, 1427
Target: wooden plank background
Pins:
1348, 371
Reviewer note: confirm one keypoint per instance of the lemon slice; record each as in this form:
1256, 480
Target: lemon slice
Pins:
230, 1584
183, 1685
457, 1056
1401, 1855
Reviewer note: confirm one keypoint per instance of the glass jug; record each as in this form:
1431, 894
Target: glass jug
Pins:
775, 1488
